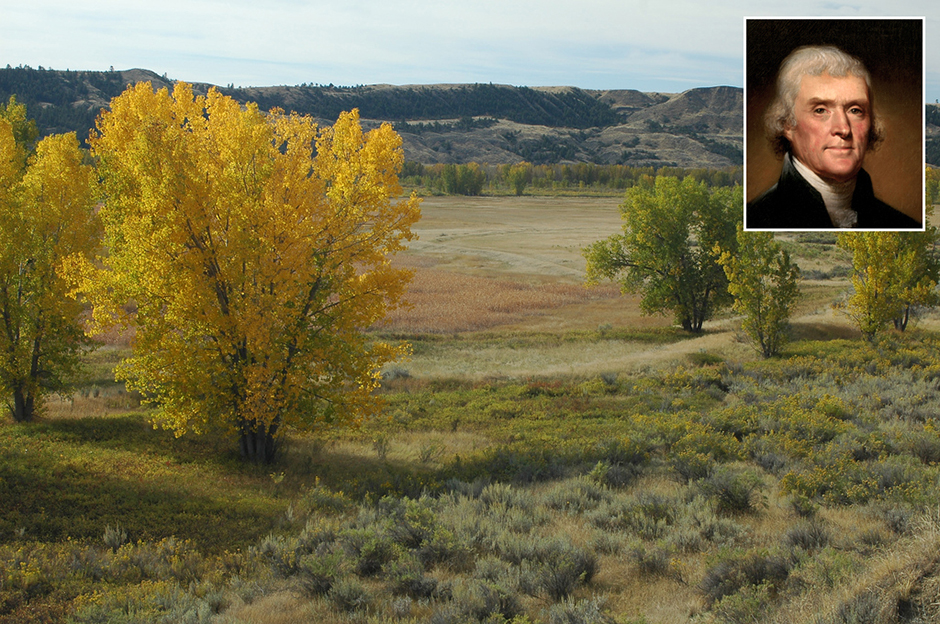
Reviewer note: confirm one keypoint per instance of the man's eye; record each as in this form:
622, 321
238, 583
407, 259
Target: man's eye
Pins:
819, 110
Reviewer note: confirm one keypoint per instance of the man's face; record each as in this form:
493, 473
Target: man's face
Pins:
833, 117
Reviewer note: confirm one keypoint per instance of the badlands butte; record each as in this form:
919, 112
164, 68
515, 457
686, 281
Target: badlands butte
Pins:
453, 123
462, 123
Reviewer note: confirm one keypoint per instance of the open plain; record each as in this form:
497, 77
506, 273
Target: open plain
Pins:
512, 266
547, 455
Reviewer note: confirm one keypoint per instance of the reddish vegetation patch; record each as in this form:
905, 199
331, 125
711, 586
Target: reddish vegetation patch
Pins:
446, 302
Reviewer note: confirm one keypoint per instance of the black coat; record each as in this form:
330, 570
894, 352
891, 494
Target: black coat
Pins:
793, 204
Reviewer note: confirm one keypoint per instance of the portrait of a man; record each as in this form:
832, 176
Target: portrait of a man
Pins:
821, 123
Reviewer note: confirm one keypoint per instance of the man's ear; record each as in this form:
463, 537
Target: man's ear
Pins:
788, 132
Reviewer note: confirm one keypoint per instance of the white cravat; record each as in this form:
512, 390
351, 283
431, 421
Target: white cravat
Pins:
836, 195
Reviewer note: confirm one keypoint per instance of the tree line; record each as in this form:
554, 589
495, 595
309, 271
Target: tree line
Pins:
684, 250
573, 108
480, 178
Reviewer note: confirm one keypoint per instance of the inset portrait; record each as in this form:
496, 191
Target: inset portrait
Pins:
834, 124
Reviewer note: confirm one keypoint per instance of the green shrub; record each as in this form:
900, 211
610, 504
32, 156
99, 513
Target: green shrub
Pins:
809, 536
407, 578
734, 490
317, 574
576, 495
114, 537
372, 552
496, 570
279, 554
864, 608
691, 465
556, 566
505, 496
561, 576
702, 358
732, 574
316, 534
650, 560
588, 611
746, 606
607, 543
646, 515
350, 595
322, 500
480, 600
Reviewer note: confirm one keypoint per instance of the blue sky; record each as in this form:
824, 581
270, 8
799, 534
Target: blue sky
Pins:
666, 45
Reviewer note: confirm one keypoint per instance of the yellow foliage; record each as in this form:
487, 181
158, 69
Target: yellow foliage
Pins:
255, 249
895, 272
47, 202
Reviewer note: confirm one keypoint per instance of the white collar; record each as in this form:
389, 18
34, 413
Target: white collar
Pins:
836, 195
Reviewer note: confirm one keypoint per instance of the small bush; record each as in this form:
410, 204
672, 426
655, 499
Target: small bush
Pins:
497, 571
321, 499
576, 495
747, 606
349, 595
317, 574
700, 525
481, 600
691, 465
898, 519
407, 578
114, 537
702, 358
866, 608
607, 543
730, 575
279, 554
650, 560
804, 507
369, 549
564, 567
735, 491
809, 536
589, 611
505, 496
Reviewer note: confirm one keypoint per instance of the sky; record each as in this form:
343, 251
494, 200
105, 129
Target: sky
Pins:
665, 46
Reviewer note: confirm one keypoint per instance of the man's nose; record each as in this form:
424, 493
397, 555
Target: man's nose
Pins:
839, 124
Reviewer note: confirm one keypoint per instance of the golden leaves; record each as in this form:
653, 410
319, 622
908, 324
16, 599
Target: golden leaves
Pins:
256, 249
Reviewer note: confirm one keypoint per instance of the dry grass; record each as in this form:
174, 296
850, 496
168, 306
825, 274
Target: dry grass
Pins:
505, 265
904, 577
283, 607
445, 302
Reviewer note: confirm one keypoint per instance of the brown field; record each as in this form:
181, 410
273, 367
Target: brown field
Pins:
511, 265
482, 263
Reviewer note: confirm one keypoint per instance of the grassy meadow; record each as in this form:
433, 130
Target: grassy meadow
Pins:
547, 455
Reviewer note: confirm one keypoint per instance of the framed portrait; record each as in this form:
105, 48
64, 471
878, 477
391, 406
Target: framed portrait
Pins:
815, 148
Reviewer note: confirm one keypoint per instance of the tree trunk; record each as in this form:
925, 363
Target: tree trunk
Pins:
24, 406
258, 442
900, 322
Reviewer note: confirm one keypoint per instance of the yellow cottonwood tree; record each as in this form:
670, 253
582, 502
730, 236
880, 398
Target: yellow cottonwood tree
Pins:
47, 203
249, 251
894, 273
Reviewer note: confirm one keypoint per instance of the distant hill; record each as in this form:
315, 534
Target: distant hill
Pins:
456, 123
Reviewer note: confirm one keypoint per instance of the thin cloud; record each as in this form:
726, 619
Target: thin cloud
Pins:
603, 44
